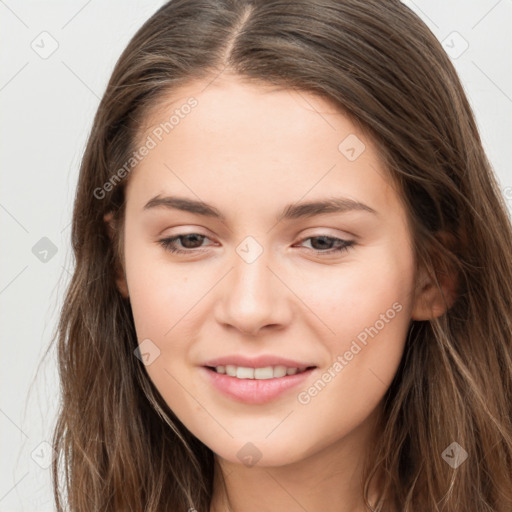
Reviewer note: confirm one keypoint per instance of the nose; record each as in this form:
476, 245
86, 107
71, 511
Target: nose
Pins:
253, 297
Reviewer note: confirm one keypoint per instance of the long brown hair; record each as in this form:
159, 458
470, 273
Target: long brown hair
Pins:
120, 445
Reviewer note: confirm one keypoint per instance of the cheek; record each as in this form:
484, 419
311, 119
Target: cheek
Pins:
160, 293
366, 307
162, 297
349, 297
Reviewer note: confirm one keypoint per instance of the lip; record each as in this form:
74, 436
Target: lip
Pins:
254, 391
256, 362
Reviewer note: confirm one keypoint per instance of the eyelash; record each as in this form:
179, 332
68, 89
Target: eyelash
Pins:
167, 244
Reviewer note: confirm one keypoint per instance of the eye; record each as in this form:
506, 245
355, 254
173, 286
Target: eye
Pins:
189, 241
192, 242
326, 242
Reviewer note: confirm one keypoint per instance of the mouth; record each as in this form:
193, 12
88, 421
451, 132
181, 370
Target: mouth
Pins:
255, 385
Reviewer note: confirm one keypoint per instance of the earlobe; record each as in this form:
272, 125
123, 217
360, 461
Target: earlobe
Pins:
122, 284
433, 300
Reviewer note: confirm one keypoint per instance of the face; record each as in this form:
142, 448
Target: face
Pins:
261, 280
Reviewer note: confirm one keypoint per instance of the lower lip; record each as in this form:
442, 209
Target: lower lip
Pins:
254, 391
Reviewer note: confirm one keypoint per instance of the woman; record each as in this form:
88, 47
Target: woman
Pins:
263, 369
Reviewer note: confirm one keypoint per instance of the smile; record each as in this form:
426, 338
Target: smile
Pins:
255, 385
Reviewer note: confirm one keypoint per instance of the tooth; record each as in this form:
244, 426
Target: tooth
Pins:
268, 372
279, 371
242, 372
264, 373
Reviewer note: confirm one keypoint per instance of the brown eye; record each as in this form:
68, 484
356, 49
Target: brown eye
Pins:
189, 242
328, 245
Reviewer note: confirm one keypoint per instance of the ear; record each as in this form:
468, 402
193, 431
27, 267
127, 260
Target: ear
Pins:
121, 282
432, 300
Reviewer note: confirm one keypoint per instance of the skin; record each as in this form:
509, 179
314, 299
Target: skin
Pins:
249, 150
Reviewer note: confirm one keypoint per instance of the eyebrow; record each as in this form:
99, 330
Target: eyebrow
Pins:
290, 211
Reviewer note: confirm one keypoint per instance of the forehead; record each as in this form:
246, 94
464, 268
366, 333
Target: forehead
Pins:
259, 142
265, 111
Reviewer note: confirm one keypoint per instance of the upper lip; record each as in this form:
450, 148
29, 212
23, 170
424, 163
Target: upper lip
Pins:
256, 362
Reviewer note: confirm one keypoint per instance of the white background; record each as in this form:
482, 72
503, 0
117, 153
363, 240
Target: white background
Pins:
47, 107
